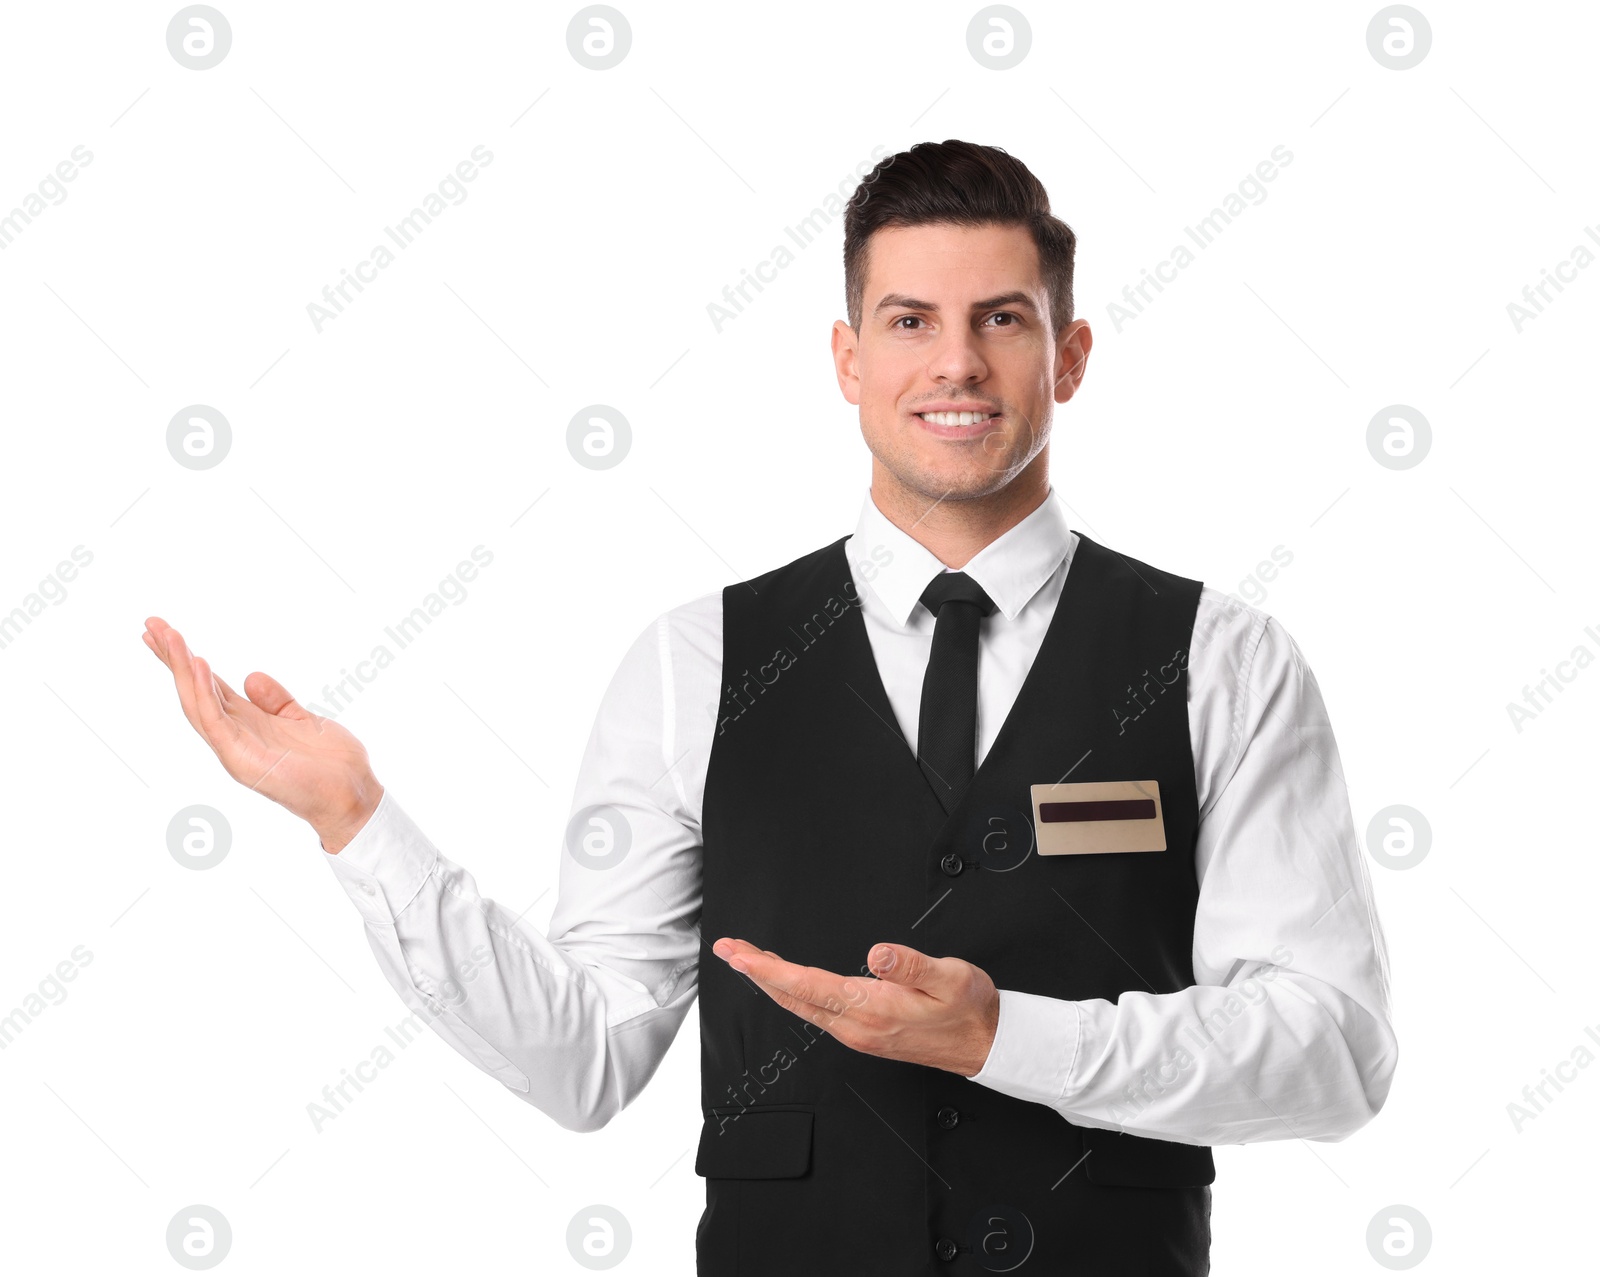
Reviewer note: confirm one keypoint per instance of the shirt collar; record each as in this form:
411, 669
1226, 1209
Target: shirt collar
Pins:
897, 567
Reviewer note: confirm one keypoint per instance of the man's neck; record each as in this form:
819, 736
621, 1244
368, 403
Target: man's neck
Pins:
953, 531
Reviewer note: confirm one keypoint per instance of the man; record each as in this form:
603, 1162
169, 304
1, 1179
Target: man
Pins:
1024, 869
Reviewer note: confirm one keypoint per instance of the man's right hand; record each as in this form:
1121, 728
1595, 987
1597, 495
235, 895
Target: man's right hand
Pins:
306, 763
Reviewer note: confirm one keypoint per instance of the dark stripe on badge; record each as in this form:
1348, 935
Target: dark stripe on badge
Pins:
1110, 809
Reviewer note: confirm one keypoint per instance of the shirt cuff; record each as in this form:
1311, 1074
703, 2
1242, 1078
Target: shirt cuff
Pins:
384, 866
1035, 1046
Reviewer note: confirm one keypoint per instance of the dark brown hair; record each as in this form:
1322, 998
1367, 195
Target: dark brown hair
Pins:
964, 184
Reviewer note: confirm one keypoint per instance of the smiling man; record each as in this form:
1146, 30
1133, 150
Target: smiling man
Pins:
1011, 873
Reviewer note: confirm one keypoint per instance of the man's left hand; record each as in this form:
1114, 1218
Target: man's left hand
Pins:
941, 1012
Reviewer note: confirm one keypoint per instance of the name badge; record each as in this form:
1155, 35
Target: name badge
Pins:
1088, 817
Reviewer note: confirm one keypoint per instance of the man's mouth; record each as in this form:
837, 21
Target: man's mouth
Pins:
956, 418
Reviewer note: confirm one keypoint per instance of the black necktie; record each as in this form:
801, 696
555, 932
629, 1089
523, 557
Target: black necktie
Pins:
947, 727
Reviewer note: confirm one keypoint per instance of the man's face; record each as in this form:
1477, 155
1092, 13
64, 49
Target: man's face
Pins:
956, 318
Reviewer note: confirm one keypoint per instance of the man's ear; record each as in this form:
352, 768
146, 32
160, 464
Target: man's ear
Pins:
846, 360
1072, 356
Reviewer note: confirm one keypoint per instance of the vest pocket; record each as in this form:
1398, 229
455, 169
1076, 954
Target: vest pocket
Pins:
758, 1142
1136, 1161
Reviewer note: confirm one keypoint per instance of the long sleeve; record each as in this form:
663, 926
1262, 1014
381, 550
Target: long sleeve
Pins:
1286, 1032
575, 1023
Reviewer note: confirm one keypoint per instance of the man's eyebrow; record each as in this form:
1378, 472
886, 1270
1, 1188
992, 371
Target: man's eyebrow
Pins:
988, 303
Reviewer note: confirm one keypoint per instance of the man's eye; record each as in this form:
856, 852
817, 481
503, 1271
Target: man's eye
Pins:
1004, 314
903, 318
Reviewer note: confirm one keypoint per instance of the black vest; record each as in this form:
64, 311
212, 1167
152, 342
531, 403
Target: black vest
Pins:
822, 837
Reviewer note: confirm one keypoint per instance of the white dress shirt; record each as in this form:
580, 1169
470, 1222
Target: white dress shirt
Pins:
1285, 1033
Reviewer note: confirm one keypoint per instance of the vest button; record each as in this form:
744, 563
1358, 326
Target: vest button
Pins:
951, 863
948, 1117
946, 1249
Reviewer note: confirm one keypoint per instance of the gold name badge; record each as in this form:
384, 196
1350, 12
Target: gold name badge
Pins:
1090, 817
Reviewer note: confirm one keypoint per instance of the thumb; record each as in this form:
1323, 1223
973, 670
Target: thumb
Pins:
268, 694
901, 964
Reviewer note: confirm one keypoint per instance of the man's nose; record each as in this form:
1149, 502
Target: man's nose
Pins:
957, 357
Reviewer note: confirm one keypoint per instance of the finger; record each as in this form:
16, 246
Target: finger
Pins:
900, 964
801, 989
182, 666
272, 696
156, 642
158, 631
743, 952
230, 698
729, 947
239, 707
822, 989
808, 1011
219, 729
838, 1018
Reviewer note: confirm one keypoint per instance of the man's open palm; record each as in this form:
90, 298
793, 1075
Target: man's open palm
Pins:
271, 743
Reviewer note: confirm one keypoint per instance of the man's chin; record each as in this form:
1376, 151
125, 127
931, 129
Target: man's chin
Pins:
953, 483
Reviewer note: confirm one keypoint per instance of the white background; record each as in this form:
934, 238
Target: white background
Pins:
370, 458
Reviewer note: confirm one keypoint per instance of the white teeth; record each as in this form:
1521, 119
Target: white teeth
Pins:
954, 418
